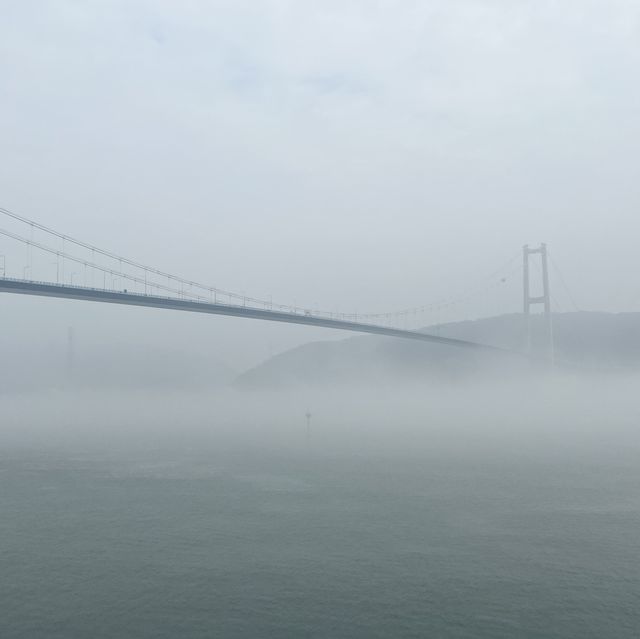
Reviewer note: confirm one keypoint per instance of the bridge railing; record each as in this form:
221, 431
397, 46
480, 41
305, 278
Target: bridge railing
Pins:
298, 311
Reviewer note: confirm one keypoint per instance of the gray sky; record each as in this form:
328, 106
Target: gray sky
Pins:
357, 155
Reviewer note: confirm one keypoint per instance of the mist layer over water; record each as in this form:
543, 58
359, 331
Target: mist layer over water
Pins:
478, 511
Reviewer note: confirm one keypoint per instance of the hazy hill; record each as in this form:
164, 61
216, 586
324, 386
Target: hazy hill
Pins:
586, 340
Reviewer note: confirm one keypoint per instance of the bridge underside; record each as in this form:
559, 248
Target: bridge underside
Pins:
27, 287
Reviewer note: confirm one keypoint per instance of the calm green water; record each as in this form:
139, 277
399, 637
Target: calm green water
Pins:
223, 544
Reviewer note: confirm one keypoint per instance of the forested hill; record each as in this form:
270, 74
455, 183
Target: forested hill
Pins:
586, 341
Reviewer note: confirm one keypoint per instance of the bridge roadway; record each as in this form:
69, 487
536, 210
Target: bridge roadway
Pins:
44, 289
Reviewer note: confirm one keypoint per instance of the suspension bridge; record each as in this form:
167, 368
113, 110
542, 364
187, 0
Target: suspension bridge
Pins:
33, 246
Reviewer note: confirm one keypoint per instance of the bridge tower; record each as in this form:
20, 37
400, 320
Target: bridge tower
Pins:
544, 300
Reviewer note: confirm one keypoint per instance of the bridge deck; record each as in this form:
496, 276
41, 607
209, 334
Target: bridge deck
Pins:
44, 289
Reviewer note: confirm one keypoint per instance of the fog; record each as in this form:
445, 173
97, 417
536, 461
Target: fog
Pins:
354, 156
565, 417
173, 474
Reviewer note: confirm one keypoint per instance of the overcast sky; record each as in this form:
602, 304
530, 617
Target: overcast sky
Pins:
365, 155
